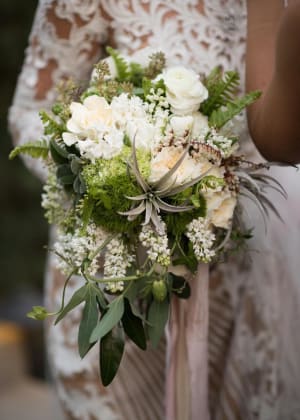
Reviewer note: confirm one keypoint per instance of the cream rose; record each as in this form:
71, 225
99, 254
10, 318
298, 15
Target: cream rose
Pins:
92, 128
184, 91
167, 158
90, 118
220, 208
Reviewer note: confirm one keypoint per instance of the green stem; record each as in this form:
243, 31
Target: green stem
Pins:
102, 246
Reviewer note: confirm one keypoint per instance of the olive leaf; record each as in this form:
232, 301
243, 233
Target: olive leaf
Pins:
109, 320
78, 297
157, 317
111, 352
133, 326
88, 321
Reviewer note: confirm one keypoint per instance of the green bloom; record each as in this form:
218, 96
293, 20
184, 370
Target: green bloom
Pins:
108, 183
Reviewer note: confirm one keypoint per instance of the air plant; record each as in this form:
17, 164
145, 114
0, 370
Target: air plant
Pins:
151, 201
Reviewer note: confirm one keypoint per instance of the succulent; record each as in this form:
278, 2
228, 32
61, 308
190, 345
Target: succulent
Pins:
151, 201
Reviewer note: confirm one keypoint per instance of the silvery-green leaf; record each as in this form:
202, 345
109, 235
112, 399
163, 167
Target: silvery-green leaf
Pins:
248, 194
188, 184
169, 208
135, 211
161, 182
149, 209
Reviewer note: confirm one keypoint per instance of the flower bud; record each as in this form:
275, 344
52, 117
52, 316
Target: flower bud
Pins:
159, 290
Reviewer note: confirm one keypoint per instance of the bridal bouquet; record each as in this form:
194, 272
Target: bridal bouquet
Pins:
144, 183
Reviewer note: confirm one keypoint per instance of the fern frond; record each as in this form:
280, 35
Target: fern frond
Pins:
121, 65
221, 89
37, 149
51, 127
221, 116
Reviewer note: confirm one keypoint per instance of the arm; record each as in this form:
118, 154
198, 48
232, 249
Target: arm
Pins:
273, 65
66, 40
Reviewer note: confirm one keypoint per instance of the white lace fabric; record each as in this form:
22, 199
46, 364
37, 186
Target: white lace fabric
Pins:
252, 368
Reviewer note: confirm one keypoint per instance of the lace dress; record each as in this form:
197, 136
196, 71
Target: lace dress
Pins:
254, 312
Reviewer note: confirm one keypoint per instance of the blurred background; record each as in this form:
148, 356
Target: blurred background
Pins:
24, 390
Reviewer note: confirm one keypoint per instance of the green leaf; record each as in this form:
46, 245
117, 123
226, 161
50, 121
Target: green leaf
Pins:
88, 321
221, 116
59, 153
78, 297
37, 149
109, 319
221, 88
180, 287
157, 317
111, 352
121, 65
133, 327
64, 174
51, 127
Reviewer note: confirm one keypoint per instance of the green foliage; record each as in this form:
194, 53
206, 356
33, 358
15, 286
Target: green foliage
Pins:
220, 117
148, 84
157, 317
176, 223
133, 326
51, 127
88, 321
109, 320
37, 149
78, 297
111, 352
180, 287
121, 65
221, 89
108, 183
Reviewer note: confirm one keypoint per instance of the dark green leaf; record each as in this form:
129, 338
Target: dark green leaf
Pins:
157, 317
78, 297
75, 166
88, 321
133, 327
59, 153
180, 286
109, 319
111, 352
64, 174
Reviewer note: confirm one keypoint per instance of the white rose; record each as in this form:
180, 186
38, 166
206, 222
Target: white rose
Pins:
167, 158
200, 124
90, 117
220, 208
184, 91
92, 128
142, 132
181, 125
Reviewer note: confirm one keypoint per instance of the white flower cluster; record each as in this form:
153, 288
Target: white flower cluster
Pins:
224, 144
202, 239
54, 199
117, 260
156, 244
75, 248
